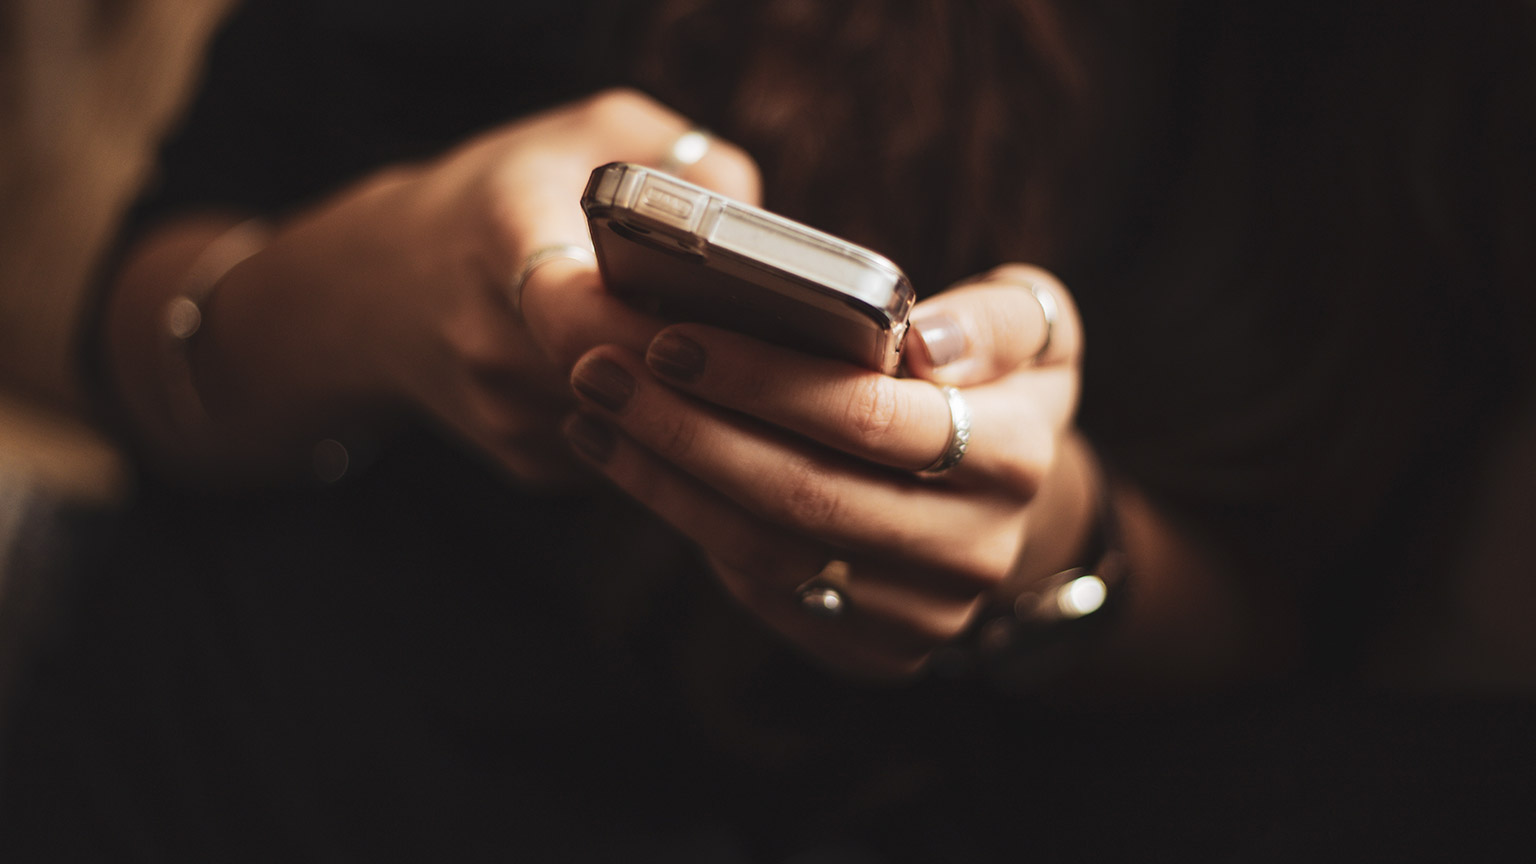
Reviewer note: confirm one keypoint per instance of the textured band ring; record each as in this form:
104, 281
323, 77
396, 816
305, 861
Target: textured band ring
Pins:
1048, 307
539, 258
687, 150
959, 432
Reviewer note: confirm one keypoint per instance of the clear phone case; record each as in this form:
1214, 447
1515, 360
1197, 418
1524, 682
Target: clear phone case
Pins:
689, 254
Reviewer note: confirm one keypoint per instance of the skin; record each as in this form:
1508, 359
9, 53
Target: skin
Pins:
775, 462
389, 300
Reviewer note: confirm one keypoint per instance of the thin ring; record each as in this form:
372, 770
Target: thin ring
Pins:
687, 150
1048, 307
539, 258
959, 432
822, 595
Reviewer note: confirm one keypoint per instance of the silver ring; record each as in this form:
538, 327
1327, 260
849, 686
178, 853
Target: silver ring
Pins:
822, 595
822, 601
687, 150
1048, 306
539, 258
959, 432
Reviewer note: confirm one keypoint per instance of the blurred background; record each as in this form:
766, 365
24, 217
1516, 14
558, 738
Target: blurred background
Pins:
87, 89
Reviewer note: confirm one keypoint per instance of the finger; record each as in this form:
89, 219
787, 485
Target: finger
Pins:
889, 626
893, 625
517, 427
728, 170
550, 159
914, 614
1013, 316
568, 311
628, 126
801, 486
719, 525
861, 642
901, 423
761, 566
539, 206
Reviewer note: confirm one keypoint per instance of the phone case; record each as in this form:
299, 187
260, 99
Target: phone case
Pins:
686, 253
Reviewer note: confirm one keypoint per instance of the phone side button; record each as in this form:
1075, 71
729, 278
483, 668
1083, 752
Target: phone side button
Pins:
676, 207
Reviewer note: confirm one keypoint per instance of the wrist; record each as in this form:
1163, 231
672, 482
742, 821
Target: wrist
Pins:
211, 381
1066, 590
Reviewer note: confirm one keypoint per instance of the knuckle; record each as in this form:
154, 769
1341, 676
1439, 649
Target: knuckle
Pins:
875, 409
1008, 322
617, 108
1021, 314
734, 171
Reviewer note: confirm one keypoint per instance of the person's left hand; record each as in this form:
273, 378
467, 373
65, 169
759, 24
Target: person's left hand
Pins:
776, 463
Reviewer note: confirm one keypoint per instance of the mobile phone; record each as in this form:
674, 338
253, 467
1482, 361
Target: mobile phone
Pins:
688, 254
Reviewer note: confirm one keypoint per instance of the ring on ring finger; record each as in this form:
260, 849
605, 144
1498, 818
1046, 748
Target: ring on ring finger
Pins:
823, 595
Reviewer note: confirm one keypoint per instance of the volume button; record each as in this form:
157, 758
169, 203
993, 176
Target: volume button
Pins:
670, 204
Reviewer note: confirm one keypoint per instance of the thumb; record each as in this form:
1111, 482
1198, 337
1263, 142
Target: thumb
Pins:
982, 329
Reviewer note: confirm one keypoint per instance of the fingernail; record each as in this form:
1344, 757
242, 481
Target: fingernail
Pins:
941, 337
591, 438
605, 382
676, 357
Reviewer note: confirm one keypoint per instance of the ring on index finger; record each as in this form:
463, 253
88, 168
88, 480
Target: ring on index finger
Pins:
959, 433
538, 258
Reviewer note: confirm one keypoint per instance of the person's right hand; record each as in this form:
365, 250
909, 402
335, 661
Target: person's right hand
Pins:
795, 473
395, 291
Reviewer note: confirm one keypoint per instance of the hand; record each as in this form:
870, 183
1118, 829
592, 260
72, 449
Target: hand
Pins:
776, 463
464, 226
394, 293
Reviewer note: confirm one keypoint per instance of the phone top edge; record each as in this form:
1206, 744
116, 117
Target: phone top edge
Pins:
707, 222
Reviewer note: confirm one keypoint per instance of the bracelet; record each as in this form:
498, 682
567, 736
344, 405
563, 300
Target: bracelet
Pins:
1033, 641
182, 319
